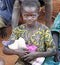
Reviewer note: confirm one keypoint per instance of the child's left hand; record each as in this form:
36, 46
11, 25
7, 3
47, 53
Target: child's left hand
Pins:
30, 56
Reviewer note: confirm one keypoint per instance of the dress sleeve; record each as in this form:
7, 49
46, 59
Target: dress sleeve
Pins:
49, 43
16, 33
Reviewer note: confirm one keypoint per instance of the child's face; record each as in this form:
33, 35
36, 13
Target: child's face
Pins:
30, 14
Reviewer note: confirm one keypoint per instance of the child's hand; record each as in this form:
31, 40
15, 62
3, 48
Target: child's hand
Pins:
21, 52
29, 57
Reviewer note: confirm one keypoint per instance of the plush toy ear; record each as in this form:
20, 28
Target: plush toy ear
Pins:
6, 43
14, 45
21, 43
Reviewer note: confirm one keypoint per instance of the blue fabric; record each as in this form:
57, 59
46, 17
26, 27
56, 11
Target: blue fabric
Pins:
6, 43
55, 27
50, 61
56, 24
6, 7
57, 63
2, 5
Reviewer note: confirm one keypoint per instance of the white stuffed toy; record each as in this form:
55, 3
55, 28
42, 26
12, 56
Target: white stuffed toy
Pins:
14, 45
20, 43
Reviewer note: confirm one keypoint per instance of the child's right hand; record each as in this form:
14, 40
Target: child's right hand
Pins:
21, 52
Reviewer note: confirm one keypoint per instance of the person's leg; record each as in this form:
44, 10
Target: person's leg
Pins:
15, 14
48, 11
55, 38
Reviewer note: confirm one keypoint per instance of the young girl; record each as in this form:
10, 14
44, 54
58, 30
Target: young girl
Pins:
33, 33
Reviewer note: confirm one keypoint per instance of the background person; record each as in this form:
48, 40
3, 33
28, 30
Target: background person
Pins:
6, 7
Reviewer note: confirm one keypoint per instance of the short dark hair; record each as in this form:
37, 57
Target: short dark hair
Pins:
31, 3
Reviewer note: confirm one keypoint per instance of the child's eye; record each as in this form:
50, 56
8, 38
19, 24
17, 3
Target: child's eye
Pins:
25, 15
33, 16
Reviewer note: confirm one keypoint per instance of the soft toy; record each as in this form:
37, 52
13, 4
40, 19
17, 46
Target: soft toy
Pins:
20, 43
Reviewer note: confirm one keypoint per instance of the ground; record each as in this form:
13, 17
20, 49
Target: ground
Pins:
10, 59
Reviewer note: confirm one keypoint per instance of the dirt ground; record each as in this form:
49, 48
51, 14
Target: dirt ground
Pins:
10, 59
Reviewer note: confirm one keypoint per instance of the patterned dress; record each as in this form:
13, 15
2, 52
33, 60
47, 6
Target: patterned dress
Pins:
40, 37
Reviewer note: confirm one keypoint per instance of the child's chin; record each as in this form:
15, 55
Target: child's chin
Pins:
30, 24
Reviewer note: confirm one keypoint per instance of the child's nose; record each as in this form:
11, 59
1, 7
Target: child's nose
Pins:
29, 17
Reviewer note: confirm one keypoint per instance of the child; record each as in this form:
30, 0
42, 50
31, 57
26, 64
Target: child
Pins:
33, 33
